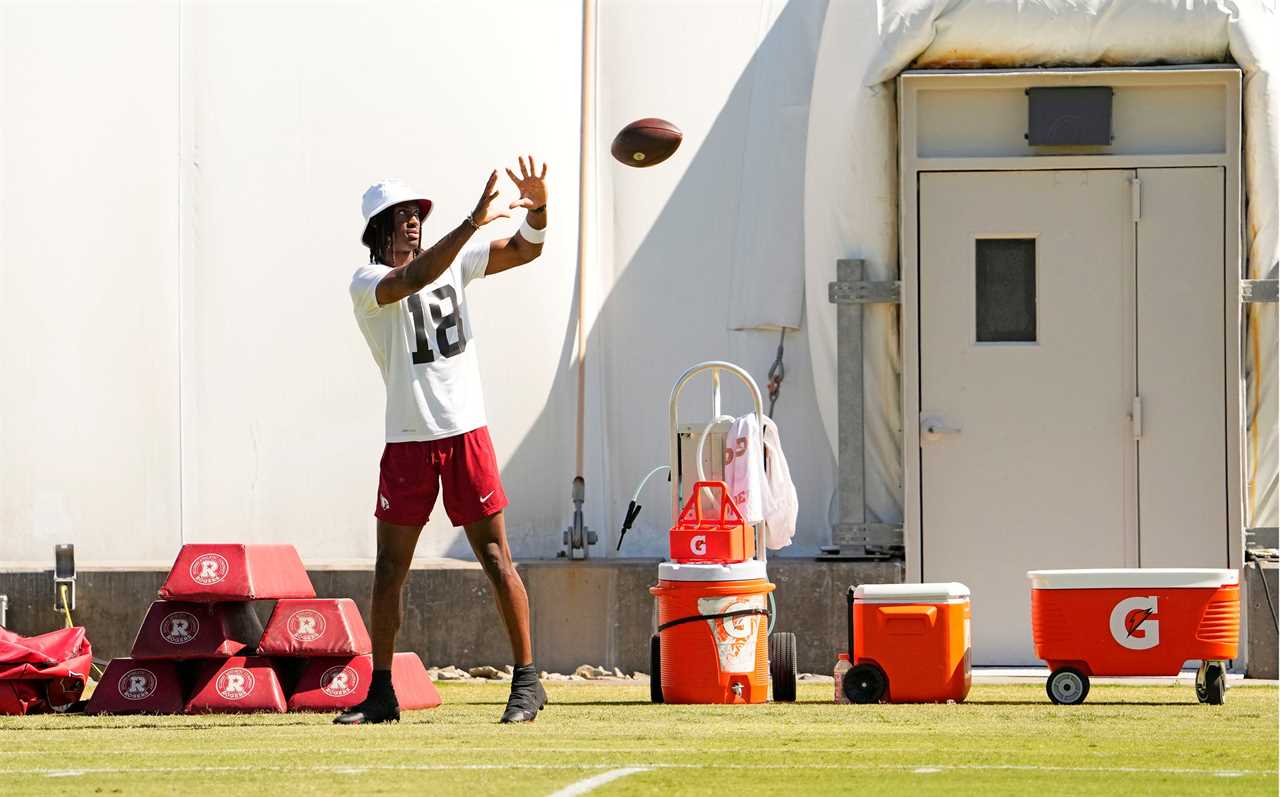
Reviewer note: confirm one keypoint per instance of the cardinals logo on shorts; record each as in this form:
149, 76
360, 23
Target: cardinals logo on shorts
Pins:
179, 628
208, 569
235, 684
137, 684
339, 681
306, 625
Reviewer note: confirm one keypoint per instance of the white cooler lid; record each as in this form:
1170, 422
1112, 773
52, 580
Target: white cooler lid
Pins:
1133, 577
949, 592
750, 570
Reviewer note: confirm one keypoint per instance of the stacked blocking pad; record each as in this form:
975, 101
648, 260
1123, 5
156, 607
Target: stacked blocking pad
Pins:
202, 649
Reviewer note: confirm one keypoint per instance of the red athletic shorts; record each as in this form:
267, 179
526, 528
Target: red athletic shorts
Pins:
411, 474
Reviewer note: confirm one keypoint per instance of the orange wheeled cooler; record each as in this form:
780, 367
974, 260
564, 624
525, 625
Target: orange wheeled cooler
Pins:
908, 643
1121, 622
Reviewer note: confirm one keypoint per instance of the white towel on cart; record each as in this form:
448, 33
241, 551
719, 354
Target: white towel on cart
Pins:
761, 493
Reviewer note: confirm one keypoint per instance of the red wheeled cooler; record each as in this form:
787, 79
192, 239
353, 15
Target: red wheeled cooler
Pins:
1134, 622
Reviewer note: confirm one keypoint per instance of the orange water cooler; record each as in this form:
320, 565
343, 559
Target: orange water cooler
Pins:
908, 643
1118, 622
715, 607
713, 632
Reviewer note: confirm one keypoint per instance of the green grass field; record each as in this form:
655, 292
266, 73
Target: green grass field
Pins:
1005, 740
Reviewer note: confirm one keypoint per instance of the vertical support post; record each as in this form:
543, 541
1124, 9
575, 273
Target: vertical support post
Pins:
853, 537
852, 452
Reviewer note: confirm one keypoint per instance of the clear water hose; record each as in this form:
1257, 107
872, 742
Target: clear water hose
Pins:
633, 509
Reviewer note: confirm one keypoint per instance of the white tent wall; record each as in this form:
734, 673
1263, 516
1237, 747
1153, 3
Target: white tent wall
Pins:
850, 183
290, 112
88, 281
704, 244
181, 217
202, 377
228, 146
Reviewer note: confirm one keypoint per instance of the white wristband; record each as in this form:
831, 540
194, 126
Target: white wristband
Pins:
530, 234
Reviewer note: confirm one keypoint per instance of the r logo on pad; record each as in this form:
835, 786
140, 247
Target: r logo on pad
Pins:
137, 684
209, 569
339, 681
306, 625
235, 684
179, 628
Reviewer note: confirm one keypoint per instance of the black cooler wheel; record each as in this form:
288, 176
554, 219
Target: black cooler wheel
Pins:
1211, 683
1067, 686
865, 683
782, 666
655, 669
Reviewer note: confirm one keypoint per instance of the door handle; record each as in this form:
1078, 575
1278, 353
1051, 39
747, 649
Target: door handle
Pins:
1136, 417
935, 426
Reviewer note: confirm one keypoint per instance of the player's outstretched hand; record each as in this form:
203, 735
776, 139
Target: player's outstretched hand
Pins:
532, 185
483, 214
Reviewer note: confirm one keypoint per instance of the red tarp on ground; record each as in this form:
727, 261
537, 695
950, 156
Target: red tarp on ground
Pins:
40, 672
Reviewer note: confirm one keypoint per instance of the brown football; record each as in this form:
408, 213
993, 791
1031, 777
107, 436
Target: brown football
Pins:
646, 142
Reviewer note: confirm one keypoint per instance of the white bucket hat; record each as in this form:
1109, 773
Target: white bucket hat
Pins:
385, 193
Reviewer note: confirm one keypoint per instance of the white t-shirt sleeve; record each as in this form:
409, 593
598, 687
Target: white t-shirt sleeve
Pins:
364, 288
472, 261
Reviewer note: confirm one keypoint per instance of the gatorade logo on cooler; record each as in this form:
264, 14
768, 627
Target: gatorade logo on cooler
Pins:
698, 545
1132, 625
235, 684
208, 569
339, 681
137, 684
179, 628
742, 627
306, 625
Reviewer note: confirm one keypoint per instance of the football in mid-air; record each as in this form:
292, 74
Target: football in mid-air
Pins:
646, 142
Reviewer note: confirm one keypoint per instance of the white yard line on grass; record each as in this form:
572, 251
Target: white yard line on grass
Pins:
915, 768
594, 782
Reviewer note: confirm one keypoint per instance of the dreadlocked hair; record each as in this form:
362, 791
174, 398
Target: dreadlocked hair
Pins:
380, 235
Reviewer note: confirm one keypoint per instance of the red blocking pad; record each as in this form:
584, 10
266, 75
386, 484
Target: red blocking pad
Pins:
184, 630
130, 686
414, 688
336, 683
206, 573
332, 683
315, 627
237, 685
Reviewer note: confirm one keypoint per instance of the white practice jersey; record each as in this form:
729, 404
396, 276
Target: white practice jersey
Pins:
425, 348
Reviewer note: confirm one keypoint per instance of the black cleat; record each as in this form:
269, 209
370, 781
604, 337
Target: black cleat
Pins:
526, 700
371, 710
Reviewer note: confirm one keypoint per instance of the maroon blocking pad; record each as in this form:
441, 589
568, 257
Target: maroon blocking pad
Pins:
336, 683
206, 573
236, 685
315, 627
183, 630
130, 686
414, 688
332, 683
